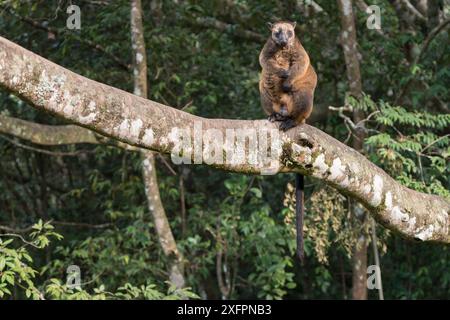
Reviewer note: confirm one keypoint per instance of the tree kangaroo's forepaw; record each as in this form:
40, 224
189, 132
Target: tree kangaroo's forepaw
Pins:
287, 124
283, 74
275, 117
287, 87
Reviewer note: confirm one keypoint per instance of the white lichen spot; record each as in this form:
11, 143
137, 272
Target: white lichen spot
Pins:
354, 168
68, 109
123, 128
397, 216
345, 183
303, 135
337, 170
136, 126
411, 224
50, 86
174, 136
377, 189
43, 87
320, 165
139, 57
148, 137
88, 119
91, 106
15, 80
426, 233
70, 102
147, 165
388, 200
347, 7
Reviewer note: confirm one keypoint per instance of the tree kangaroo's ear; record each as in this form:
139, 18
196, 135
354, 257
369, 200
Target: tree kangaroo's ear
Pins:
270, 25
294, 24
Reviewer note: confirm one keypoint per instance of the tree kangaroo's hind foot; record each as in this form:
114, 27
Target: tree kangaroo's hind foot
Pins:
287, 124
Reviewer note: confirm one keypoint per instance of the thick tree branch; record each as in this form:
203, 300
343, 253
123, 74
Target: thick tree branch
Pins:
148, 124
45, 134
53, 135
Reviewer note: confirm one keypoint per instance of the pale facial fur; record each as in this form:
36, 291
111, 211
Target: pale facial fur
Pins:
283, 33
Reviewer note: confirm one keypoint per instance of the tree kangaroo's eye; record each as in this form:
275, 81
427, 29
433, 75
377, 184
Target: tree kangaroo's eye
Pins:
289, 33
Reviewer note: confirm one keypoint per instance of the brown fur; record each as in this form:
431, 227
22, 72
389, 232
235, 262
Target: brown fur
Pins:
287, 80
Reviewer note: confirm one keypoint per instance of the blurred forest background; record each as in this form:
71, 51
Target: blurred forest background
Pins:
85, 204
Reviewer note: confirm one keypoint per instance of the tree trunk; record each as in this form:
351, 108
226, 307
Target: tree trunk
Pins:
155, 206
434, 11
349, 44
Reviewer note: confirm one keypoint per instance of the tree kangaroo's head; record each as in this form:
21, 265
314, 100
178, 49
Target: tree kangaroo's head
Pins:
283, 33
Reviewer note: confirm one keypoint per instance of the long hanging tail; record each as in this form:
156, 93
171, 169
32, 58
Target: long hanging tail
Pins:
299, 213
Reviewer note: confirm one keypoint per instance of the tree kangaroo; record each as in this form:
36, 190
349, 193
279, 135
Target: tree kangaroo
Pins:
287, 80
287, 91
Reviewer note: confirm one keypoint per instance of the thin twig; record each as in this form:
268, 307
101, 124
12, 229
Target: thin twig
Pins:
83, 224
377, 260
172, 171
20, 237
52, 153
60, 223
433, 142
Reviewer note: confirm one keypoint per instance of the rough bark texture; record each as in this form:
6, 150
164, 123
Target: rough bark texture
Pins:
155, 205
359, 269
161, 222
138, 50
349, 44
148, 124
